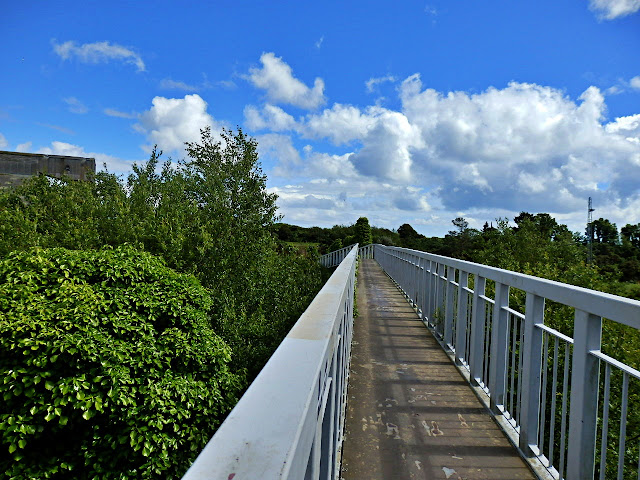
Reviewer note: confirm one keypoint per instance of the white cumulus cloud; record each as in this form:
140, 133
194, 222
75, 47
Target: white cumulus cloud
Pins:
3, 141
271, 117
635, 82
341, 123
612, 9
627, 127
98, 52
170, 122
494, 153
276, 78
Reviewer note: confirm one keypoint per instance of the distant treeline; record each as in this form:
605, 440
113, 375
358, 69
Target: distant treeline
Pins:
531, 243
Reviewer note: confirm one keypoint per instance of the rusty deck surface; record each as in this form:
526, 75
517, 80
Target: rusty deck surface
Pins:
410, 414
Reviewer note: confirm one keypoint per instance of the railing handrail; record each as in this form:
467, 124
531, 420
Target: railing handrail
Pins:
278, 429
613, 307
485, 337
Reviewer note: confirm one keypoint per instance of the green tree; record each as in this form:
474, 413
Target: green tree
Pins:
461, 224
111, 368
631, 233
363, 231
335, 245
407, 232
605, 232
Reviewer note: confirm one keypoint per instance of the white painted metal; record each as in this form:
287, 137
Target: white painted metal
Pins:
289, 423
519, 371
585, 375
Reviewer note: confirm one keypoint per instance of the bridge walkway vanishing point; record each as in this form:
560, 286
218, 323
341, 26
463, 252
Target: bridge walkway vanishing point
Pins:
410, 413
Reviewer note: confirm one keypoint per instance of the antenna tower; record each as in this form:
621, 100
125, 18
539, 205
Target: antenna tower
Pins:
590, 232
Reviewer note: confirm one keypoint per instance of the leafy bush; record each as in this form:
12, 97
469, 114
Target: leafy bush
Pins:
111, 368
210, 215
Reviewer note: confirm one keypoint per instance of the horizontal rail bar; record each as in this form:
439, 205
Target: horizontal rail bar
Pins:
554, 332
615, 363
274, 430
514, 312
620, 309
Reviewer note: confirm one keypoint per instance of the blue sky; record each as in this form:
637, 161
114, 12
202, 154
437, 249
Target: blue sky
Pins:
404, 111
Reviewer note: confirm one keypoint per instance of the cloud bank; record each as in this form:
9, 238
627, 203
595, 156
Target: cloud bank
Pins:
522, 147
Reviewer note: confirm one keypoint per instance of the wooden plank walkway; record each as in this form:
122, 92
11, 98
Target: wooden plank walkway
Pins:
410, 414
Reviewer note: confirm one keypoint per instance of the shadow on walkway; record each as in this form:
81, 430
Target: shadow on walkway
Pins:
410, 414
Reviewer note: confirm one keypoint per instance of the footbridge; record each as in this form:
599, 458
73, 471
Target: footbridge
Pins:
449, 369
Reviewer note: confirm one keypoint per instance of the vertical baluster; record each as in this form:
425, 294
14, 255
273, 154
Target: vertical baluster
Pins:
477, 331
554, 382
441, 298
543, 409
605, 421
623, 424
487, 343
565, 396
416, 280
514, 338
499, 348
429, 291
421, 286
583, 415
520, 360
531, 370
448, 314
433, 296
461, 318
467, 354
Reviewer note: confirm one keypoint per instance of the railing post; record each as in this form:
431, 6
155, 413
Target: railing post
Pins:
448, 313
428, 291
416, 280
583, 414
435, 287
421, 285
499, 343
476, 348
531, 374
461, 317
442, 288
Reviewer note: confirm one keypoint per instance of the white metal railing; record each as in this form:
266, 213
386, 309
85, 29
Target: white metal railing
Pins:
333, 259
289, 423
543, 386
366, 251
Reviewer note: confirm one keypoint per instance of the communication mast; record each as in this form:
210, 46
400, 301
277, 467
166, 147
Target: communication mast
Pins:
590, 232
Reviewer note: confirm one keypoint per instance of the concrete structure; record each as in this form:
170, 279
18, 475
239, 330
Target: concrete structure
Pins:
16, 167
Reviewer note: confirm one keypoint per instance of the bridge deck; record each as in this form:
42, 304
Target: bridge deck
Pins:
410, 414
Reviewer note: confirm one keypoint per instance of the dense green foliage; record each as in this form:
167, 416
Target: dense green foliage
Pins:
363, 232
209, 216
109, 363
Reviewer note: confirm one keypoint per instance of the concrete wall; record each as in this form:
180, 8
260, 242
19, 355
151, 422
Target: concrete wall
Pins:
15, 167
